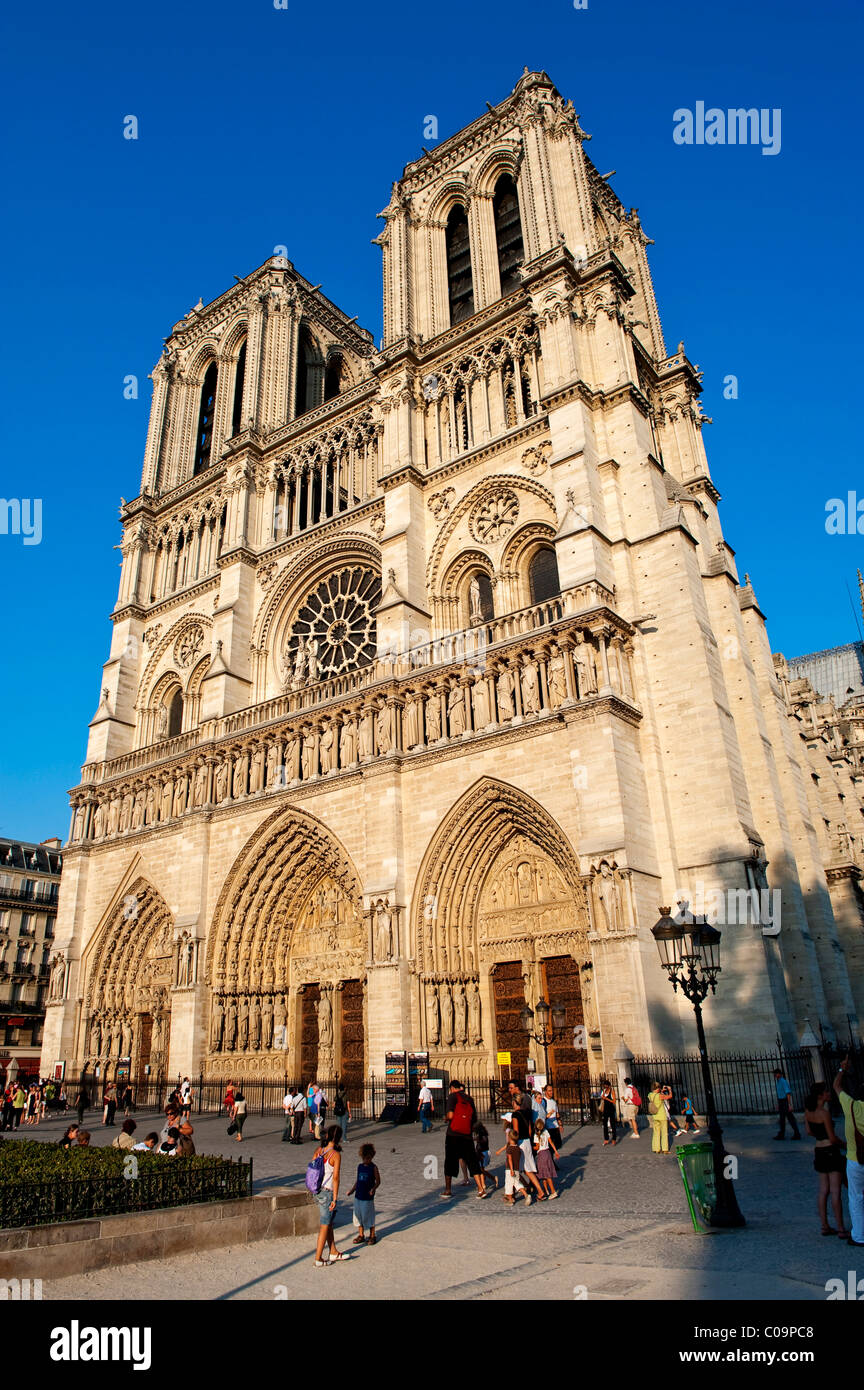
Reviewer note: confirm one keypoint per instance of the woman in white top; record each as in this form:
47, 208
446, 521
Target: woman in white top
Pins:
327, 1196
239, 1114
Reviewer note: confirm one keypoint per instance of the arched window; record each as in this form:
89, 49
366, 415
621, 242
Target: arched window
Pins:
508, 234
308, 393
175, 714
543, 575
333, 376
206, 417
459, 282
239, 381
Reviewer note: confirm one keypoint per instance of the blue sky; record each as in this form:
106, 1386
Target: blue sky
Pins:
260, 127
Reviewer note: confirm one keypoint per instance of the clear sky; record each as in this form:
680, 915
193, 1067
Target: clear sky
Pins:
261, 127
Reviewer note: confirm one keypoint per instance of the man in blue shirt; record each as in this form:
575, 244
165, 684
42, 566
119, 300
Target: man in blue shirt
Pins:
784, 1107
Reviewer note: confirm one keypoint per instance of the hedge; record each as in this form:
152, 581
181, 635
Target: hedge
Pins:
42, 1183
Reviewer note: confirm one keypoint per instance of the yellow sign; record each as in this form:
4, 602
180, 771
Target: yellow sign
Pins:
503, 1059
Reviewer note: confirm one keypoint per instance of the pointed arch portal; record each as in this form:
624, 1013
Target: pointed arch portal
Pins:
501, 918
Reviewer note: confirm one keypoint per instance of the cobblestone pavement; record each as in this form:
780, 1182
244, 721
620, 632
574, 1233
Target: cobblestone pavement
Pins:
619, 1230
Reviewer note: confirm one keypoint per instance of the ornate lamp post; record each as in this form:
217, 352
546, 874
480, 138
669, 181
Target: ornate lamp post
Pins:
546, 1034
690, 954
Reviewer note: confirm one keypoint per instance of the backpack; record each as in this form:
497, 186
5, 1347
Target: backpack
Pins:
637, 1099
339, 1106
315, 1175
463, 1116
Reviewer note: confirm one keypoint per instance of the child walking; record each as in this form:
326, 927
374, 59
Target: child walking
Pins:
544, 1149
513, 1184
688, 1115
481, 1148
367, 1182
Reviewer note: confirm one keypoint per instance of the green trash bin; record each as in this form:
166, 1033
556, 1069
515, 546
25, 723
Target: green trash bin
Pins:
696, 1162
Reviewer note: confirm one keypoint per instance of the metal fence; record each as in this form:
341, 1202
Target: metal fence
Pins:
76, 1199
744, 1083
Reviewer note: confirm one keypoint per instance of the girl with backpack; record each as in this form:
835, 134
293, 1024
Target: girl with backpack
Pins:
322, 1180
630, 1102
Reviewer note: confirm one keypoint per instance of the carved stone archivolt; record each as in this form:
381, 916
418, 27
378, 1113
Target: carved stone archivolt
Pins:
611, 890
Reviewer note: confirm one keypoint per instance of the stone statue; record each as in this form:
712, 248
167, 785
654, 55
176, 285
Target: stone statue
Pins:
312, 659
216, 1024
126, 813
279, 1013
255, 1023
187, 960
475, 613
181, 787
291, 766
256, 781
456, 710
274, 755
328, 738
365, 735
382, 728
557, 676
78, 828
589, 1004
446, 1016
300, 662
162, 723
243, 1024
221, 781
609, 896
58, 976
230, 1024
461, 1015
433, 717
412, 716
481, 703
383, 931
126, 1038
138, 809
241, 775
325, 1021
114, 816
95, 1037
432, 1024
99, 821
166, 799
348, 744
530, 688
586, 671
267, 1022
474, 1029
310, 755
150, 805
200, 784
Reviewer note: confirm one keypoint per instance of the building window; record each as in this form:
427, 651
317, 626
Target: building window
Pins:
206, 417
239, 380
309, 364
459, 281
175, 714
508, 234
333, 376
543, 575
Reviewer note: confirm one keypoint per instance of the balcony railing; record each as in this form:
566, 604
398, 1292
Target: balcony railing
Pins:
44, 896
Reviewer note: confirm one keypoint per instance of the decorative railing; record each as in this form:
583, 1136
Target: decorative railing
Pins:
502, 675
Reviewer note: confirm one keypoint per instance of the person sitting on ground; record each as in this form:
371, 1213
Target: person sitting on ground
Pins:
84, 1138
148, 1145
70, 1137
124, 1138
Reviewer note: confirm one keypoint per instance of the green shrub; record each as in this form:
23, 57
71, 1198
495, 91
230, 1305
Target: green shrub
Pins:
42, 1183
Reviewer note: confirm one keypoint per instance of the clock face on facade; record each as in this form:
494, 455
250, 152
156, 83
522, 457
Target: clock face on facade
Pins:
338, 615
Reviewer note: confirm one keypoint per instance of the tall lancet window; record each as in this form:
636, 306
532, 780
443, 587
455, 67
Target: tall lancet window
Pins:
508, 234
239, 381
459, 280
206, 417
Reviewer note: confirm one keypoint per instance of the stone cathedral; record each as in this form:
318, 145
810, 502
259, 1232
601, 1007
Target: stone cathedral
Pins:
432, 677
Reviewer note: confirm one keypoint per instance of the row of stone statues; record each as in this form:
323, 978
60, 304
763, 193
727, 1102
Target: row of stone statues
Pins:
300, 667
453, 1013
112, 1034
451, 708
242, 1022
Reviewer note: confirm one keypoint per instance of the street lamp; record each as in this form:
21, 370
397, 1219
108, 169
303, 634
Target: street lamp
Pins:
546, 1034
690, 954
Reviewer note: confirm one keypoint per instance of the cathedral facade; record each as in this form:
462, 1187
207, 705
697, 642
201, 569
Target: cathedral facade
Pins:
431, 676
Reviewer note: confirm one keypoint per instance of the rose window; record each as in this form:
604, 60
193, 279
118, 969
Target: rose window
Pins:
495, 516
334, 630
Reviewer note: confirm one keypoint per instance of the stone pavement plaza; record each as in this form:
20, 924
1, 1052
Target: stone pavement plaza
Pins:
620, 1229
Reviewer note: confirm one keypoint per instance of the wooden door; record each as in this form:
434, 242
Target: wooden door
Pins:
309, 1035
508, 991
562, 989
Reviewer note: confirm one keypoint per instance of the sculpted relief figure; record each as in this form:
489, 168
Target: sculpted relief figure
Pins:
557, 676
181, 787
504, 686
609, 896
95, 1037
348, 743
138, 808
474, 1028
456, 710
300, 663
530, 688
328, 738
325, 1022
126, 1037
221, 781
432, 1024
114, 816
267, 1022
310, 754
412, 717
99, 821
162, 723
383, 931
241, 775
216, 1024
255, 1023
166, 800
126, 813
382, 728
446, 1016
475, 614
433, 717
78, 830
586, 671
292, 759
58, 975
460, 1023
200, 784
256, 775
150, 805
243, 1024
365, 734
312, 660
482, 717
230, 1024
